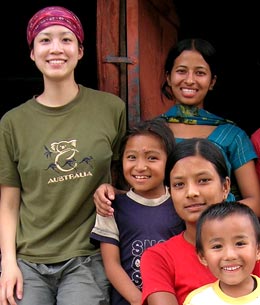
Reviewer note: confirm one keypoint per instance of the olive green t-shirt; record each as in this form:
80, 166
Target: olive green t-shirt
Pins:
58, 156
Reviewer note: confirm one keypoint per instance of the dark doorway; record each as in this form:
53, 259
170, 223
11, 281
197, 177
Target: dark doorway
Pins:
229, 29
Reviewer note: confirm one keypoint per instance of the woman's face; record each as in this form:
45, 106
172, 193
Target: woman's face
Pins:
190, 79
194, 185
56, 52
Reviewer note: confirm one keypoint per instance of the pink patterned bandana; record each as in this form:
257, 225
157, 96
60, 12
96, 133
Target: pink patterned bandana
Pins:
54, 15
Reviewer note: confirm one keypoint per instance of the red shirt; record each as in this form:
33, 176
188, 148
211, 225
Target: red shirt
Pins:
173, 266
255, 138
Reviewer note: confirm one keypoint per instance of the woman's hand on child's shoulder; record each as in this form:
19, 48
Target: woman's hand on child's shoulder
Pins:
103, 197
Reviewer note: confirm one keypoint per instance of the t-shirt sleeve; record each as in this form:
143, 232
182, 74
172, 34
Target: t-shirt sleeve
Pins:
155, 274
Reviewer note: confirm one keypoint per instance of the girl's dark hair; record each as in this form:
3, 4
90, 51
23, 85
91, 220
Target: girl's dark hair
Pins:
204, 47
157, 127
222, 210
204, 148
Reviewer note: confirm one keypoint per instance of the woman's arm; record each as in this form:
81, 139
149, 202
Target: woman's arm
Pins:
162, 298
105, 193
103, 197
11, 281
249, 187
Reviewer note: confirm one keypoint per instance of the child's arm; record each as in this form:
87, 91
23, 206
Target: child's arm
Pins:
117, 275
